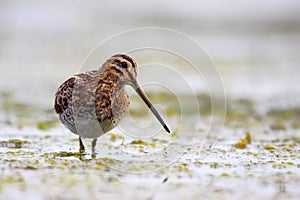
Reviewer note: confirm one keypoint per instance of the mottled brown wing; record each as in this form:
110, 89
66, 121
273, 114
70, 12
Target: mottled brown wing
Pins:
63, 96
103, 102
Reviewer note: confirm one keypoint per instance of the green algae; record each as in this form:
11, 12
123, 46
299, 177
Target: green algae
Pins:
21, 115
270, 147
62, 154
14, 143
280, 125
44, 125
242, 144
285, 114
224, 162
139, 142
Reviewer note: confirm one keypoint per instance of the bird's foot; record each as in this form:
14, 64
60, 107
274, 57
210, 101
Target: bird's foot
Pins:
81, 149
94, 142
81, 154
93, 155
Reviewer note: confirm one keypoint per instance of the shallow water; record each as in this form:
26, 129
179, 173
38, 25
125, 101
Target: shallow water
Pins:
255, 48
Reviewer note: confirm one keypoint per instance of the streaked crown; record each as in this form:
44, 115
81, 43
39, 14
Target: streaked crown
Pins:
125, 66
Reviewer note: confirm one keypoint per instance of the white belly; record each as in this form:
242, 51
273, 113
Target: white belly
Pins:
89, 128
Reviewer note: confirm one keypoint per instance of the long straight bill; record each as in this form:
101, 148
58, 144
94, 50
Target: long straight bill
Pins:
151, 107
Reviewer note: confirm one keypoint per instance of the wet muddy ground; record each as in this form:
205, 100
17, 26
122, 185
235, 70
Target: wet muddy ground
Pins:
247, 147
254, 157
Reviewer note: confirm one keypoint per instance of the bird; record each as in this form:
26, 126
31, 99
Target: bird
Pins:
92, 103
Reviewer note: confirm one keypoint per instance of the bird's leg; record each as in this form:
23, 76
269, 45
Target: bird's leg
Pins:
94, 142
81, 146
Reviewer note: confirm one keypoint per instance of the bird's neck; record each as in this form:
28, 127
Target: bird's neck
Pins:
112, 78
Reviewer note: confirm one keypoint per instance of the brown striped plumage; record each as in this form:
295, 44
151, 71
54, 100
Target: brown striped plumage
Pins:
92, 103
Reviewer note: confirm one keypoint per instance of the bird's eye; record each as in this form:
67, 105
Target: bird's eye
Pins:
124, 64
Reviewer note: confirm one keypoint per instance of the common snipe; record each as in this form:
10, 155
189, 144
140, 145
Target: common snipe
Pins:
92, 103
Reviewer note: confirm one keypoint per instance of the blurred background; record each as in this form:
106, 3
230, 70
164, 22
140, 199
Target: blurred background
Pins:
256, 48
255, 45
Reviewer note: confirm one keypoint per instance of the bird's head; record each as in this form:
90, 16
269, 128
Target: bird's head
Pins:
125, 67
